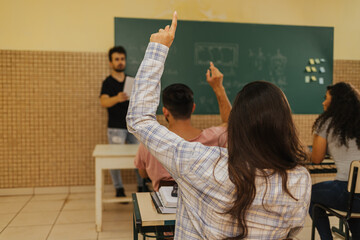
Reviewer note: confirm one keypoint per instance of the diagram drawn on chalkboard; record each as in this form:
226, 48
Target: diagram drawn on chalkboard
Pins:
221, 54
258, 59
272, 66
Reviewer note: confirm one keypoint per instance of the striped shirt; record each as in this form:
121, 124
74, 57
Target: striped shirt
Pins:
205, 190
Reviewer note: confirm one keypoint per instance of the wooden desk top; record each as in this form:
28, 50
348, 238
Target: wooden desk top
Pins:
115, 150
149, 215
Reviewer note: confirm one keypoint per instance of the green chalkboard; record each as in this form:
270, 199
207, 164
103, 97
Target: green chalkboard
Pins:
243, 52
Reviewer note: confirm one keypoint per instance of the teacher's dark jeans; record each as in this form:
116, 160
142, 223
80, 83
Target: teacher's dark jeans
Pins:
333, 194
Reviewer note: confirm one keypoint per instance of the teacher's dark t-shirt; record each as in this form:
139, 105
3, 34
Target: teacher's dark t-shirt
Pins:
117, 113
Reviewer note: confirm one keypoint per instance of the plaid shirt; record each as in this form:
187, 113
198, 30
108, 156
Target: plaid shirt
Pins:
205, 190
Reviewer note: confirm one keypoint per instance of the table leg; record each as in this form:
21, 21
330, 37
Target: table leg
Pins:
99, 185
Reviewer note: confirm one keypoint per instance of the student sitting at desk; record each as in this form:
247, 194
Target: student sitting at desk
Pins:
338, 130
256, 188
179, 104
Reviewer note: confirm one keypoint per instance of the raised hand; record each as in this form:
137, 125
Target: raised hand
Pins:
214, 77
166, 36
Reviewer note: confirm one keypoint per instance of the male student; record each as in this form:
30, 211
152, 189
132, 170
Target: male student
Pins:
178, 106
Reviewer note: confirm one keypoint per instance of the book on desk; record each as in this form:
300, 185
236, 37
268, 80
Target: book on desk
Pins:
164, 201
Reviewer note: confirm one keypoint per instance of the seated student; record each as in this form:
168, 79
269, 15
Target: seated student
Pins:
338, 130
256, 188
179, 104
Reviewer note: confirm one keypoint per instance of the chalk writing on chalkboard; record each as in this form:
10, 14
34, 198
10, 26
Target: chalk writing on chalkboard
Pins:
222, 54
277, 68
271, 65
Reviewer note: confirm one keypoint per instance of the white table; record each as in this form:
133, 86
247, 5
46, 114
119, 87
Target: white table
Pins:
110, 156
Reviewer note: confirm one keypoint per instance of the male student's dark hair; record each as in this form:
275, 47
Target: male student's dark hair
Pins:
179, 100
116, 49
262, 140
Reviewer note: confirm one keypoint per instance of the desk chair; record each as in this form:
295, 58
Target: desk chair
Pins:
353, 187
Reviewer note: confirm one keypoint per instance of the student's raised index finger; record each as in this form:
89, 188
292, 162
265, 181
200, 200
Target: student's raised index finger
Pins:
174, 23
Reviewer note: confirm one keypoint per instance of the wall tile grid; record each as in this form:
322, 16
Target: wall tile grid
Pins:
51, 118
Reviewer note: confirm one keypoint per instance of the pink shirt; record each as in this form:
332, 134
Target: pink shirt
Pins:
214, 136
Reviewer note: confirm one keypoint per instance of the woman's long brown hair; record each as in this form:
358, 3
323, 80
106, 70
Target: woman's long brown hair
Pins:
262, 138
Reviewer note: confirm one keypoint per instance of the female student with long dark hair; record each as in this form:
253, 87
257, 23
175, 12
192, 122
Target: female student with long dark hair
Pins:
338, 130
256, 188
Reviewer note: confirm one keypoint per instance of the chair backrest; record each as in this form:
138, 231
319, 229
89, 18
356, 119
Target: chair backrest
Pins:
354, 164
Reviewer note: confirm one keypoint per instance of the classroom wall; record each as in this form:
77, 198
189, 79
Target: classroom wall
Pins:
53, 60
87, 25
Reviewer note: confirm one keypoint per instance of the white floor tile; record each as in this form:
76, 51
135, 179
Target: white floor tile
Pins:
116, 235
15, 198
79, 204
5, 219
51, 190
11, 207
76, 216
117, 215
49, 197
82, 189
28, 233
2, 227
73, 232
87, 196
308, 221
43, 206
34, 219
305, 234
16, 191
117, 225
118, 229
118, 207
120, 238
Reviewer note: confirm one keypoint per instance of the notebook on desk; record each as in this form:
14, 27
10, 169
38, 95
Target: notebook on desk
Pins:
166, 196
160, 208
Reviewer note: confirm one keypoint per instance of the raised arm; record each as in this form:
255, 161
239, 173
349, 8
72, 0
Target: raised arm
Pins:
187, 162
144, 100
215, 79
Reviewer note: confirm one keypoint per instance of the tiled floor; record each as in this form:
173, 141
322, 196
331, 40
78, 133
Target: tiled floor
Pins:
62, 217
72, 217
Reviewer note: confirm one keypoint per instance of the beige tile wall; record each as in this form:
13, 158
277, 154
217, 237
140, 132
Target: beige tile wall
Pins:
51, 119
